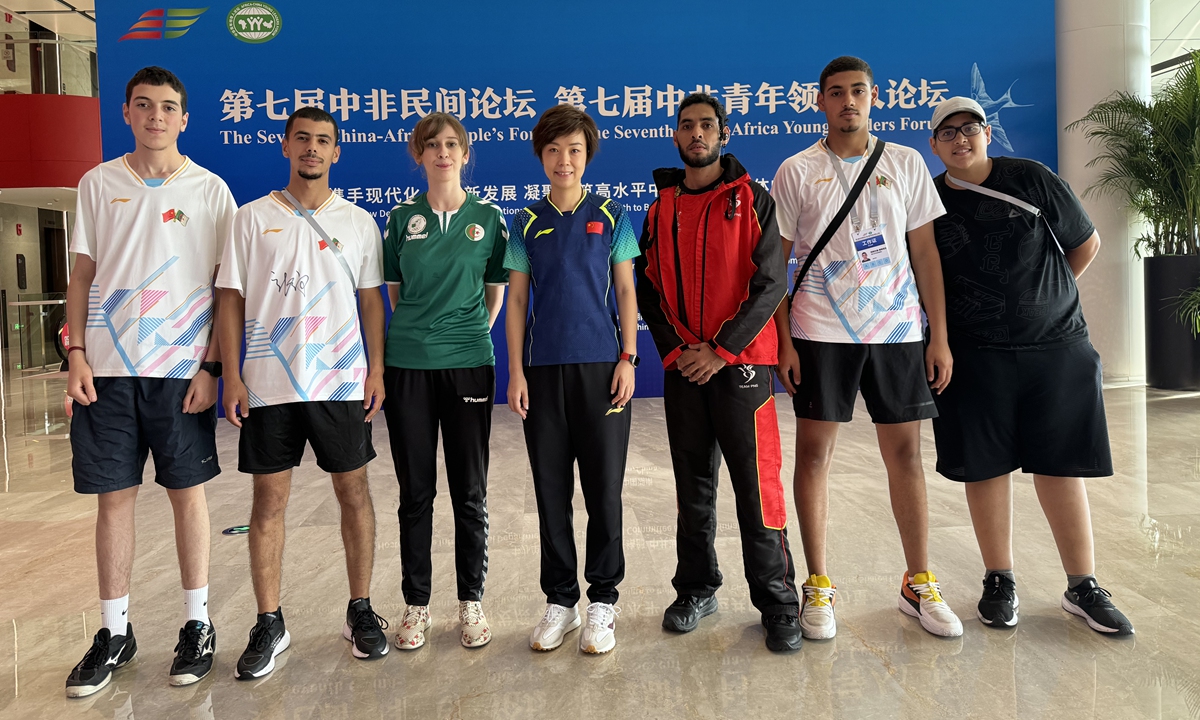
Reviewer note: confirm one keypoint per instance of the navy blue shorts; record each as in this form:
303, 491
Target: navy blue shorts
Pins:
133, 416
273, 437
1040, 411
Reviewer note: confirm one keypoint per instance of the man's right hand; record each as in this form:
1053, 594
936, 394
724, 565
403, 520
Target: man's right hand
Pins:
788, 368
235, 398
79, 379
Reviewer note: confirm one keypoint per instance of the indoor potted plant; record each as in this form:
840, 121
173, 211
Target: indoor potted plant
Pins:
1151, 160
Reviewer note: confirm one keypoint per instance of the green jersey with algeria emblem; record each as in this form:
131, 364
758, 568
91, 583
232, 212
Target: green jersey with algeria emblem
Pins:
441, 262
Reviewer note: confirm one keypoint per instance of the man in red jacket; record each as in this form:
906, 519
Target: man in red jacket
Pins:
709, 280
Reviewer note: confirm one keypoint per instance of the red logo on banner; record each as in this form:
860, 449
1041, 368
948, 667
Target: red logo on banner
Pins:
596, 228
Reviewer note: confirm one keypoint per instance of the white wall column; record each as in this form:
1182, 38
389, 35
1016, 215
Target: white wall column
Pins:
1104, 46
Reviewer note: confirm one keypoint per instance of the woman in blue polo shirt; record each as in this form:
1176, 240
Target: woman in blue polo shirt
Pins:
571, 373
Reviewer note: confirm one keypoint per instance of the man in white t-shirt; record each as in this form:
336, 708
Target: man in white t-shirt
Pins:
856, 325
149, 231
288, 286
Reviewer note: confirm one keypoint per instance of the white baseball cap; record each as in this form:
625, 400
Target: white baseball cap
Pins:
954, 106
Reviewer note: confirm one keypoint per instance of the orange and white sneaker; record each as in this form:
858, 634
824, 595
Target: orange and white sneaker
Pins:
817, 619
921, 598
412, 628
475, 629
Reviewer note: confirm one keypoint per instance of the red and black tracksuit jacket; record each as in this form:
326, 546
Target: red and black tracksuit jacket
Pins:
711, 269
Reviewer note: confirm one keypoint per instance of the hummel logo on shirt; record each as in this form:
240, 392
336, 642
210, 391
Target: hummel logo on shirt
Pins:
474, 399
119, 200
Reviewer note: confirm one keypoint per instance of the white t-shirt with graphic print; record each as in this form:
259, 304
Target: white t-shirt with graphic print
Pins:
303, 336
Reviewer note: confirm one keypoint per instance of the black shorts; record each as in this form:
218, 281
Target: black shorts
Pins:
891, 377
132, 416
273, 437
1038, 410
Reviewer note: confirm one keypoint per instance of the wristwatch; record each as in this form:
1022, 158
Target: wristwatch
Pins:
212, 368
633, 359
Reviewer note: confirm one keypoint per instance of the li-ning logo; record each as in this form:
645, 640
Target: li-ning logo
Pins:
175, 216
614, 410
119, 200
748, 372
163, 24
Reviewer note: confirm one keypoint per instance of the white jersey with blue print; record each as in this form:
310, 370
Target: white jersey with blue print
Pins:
156, 245
846, 298
303, 336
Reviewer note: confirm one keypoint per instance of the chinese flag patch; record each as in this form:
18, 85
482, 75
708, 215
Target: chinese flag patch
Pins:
323, 244
168, 216
595, 227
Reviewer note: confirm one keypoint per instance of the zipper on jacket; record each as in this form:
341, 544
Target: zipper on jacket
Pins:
678, 267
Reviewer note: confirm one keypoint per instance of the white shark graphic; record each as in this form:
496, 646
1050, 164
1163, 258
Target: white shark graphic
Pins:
993, 107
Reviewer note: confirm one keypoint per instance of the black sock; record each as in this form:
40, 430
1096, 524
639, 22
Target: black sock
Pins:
1074, 581
1006, 573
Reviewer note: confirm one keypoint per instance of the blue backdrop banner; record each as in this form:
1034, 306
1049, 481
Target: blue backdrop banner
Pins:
380, 67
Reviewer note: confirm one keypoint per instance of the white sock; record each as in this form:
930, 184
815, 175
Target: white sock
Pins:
195, 605
114, 614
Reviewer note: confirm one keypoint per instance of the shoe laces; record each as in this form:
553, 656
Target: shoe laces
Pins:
998, 587
96, 655
602, 614
818, 596
552, 615
928, 591
260, 635
780, 619
191, 641
1093, 595
368, 621
471, 612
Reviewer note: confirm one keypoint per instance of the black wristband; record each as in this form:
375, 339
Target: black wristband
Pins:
212, 368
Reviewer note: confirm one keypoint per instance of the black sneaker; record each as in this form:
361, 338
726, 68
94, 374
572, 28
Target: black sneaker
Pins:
268, 638
106, 654
364, 629
783, 631
999, 604
1091, 602
193, 653
684, 614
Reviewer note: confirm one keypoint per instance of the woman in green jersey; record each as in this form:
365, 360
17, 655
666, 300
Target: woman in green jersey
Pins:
444, 265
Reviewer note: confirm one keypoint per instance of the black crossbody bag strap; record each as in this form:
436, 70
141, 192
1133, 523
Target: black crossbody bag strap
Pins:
863, 178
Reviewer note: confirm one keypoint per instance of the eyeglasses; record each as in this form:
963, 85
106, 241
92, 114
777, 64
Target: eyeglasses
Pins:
947, 133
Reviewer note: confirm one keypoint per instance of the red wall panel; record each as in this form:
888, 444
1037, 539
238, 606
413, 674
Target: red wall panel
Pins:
48, 140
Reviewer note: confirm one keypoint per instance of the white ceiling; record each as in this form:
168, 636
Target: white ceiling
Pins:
74, 19
1174, 28
50, 198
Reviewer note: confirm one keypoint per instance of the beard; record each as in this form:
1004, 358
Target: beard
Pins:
311, 175
701, 162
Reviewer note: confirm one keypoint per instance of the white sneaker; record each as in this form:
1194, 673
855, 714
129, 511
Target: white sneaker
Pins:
921, 597
598, 636
475, 629
817, 619
557, 621
412, 628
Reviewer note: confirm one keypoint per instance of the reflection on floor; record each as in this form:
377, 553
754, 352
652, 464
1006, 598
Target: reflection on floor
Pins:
881, 665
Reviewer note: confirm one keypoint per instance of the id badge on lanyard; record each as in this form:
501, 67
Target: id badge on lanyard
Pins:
870, 248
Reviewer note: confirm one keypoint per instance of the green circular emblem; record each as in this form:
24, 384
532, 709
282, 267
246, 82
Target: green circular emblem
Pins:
254, 22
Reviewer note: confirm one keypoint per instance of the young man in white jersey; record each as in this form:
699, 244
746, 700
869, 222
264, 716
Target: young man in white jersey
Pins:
149, 231
856, 325
288, 284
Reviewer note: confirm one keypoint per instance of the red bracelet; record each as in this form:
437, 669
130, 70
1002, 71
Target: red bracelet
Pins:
73, 348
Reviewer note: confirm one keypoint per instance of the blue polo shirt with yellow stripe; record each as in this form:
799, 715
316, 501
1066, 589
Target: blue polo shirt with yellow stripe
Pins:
569, 258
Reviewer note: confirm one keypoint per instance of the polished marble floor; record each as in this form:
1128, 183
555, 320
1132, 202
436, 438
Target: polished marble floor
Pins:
881, 665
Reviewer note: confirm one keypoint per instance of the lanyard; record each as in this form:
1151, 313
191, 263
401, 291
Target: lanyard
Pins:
872, 188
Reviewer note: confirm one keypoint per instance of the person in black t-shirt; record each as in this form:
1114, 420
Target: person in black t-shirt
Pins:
1027, 383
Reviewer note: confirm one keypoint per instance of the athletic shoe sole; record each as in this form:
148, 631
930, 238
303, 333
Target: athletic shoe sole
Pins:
349, 635
930, 627
186, 679
79, 691
546, 648
476, 644
1001, 623
283, 645
609, 643
1076, 610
